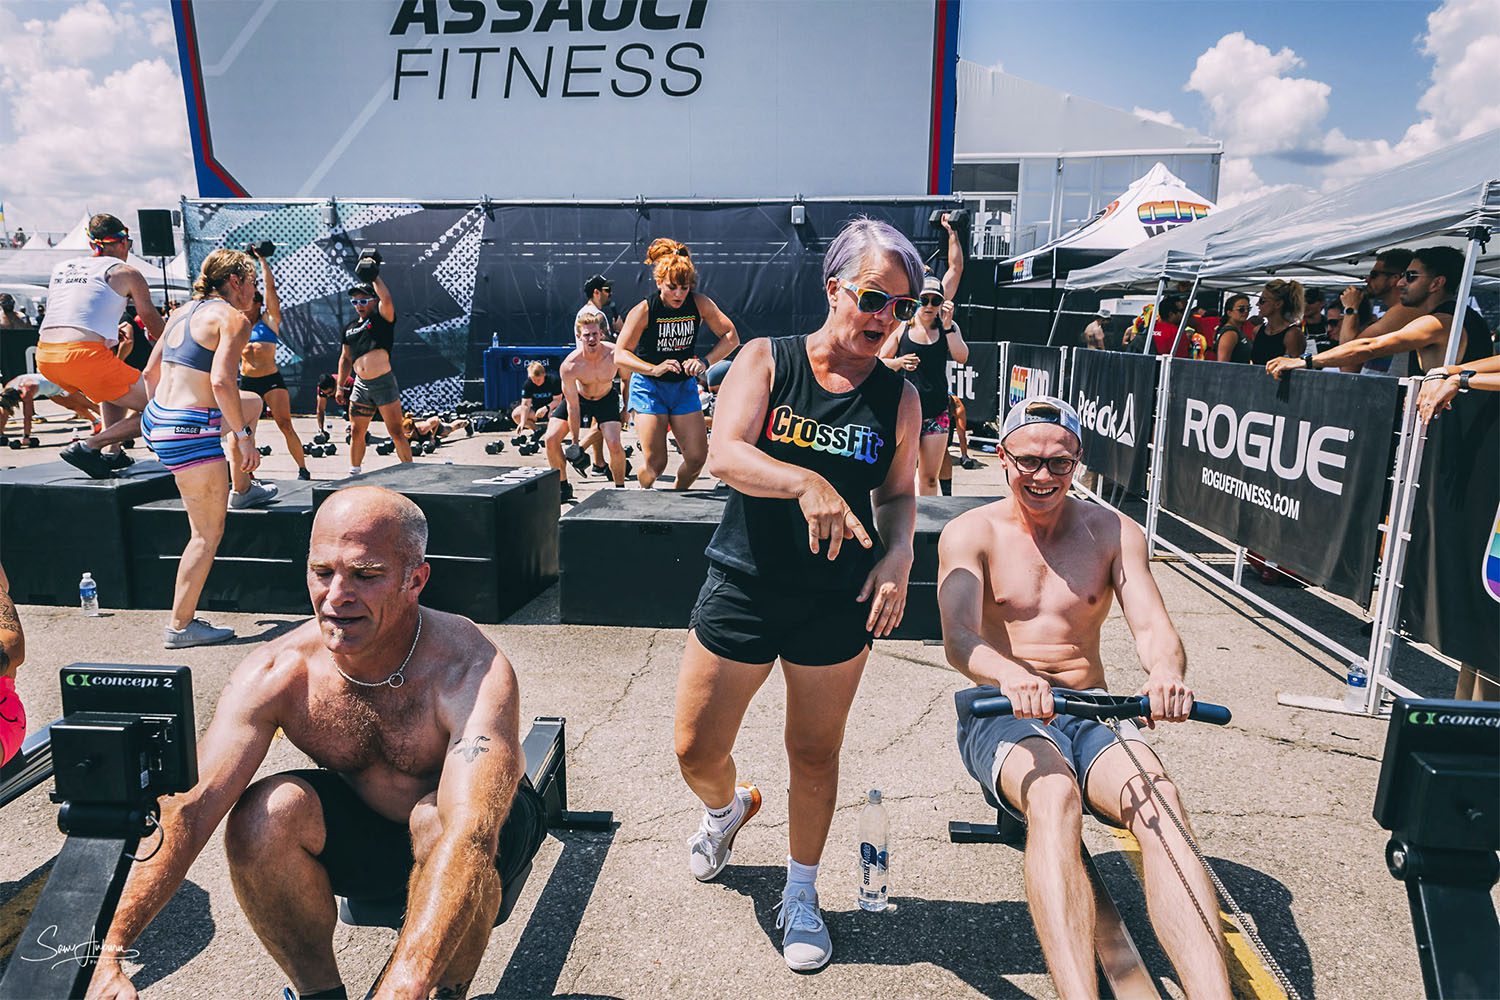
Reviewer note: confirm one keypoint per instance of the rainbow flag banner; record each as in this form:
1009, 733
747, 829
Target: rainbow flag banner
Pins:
1491, 568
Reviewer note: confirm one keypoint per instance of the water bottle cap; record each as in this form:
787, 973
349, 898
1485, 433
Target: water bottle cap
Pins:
874, 796
88, 576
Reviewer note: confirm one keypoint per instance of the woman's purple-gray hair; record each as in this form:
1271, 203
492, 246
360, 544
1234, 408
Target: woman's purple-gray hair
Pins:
861, 238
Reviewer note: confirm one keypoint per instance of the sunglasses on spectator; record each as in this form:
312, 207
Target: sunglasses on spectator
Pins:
932, 300
1058, 465
360, 302
1410, 276
873, 300
1241, 308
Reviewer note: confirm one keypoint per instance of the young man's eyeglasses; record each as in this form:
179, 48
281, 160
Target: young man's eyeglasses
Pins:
360, 302
1058, 465
873, 300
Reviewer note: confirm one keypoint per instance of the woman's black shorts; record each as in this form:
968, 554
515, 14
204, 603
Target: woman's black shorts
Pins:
369, 857
262, 384
746, 619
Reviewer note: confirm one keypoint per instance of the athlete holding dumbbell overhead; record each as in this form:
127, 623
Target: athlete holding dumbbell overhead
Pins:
368, 340
258, 370
658, 344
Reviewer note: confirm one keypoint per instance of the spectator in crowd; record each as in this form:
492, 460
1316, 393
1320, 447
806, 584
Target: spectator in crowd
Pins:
1235, 330
1376, 308
19, 239
1164, 338
11, 318
1093, 334
1440, 385
600, 295
1314, 328
1429, 284
1279, 332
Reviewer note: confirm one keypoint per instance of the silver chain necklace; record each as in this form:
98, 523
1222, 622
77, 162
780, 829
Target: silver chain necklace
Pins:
395, 680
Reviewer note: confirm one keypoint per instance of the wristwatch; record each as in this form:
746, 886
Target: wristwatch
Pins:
1350, 312
244, 433
1312, 361
1463, 379
947, 329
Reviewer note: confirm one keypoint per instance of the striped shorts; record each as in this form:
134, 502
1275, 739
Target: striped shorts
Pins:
183, 437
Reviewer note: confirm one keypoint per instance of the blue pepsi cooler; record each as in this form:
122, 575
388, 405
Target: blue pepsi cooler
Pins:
505, 370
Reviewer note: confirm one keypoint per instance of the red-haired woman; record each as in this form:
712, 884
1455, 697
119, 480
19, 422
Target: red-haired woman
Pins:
659, 344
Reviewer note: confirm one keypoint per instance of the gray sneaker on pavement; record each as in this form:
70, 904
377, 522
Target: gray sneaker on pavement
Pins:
709, 851
259, 493
805, 943
197, 633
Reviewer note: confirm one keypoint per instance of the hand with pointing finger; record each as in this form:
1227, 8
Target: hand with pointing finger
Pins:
828, 517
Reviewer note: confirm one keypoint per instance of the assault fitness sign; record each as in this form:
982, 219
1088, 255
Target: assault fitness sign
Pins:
556, 99
1114, 393
1294, 469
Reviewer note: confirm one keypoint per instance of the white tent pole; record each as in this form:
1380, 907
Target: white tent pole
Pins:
1057, 316
1476, 236
1161, 286
1386, 617
1187, 308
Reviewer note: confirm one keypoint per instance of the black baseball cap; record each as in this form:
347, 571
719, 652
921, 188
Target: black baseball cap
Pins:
595, 283
363, 291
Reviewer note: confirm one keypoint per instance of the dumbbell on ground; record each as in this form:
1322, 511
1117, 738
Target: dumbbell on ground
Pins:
320, 450
264, 449
494, 447
577, 458
30, 442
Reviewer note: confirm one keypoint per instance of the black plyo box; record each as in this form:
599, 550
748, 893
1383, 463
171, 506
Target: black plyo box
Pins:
261, 563
491, 532
57, 524
635, 557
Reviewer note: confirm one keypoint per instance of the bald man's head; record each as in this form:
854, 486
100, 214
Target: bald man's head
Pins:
380, 513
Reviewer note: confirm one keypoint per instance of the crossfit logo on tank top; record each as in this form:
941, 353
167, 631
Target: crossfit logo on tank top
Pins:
849, 441
675, 333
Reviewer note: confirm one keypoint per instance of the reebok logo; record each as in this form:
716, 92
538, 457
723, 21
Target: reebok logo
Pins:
1109, 420
1261, 441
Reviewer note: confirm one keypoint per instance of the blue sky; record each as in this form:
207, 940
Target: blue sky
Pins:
1307, 92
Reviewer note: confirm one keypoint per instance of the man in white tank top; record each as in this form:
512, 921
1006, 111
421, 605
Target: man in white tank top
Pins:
85, 300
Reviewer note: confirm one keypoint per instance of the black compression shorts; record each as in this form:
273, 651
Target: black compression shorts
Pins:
592, 412
743, 618
262, 384
369, 857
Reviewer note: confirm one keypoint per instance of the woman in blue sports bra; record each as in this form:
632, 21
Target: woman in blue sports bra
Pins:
195, 401
258, 371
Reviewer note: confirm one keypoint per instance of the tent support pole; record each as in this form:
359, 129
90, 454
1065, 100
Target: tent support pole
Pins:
1478, 236
1057, 316
1161, 286
1187, 309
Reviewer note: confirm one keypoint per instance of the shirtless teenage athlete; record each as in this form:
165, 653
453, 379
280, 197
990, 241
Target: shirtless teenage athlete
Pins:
1024, 585
413, 718
588, 388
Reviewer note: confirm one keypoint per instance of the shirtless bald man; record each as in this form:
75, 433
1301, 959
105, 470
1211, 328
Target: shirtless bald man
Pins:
1024, 585
412, 717
588, 388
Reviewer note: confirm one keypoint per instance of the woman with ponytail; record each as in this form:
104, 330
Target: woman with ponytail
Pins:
659, 345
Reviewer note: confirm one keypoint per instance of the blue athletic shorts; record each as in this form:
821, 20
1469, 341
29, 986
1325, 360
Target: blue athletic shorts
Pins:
661, 398
984, 743
183, 438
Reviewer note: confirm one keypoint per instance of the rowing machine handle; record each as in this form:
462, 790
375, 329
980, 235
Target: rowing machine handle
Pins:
1201, 711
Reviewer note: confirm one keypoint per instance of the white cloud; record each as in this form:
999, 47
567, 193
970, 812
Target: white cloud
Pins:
1253, 105
1238, 182
75, 136
1160, 117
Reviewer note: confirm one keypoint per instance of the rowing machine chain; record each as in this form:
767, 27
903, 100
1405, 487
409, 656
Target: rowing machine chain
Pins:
1241, 918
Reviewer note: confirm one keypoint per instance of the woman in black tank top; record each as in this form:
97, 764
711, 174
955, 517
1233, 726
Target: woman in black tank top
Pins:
659, 344
921, 351
817, 441
1280, 333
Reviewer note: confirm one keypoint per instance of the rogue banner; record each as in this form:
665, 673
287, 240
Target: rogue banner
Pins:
1452, 593
1115, 395
978, 382
1294, 470
1032, 371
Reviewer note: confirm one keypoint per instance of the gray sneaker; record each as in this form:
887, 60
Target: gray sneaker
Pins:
805, 943
708, 851
258, 494
197, 633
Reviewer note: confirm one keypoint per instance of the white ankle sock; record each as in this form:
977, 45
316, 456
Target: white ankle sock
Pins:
800, 876
723, 819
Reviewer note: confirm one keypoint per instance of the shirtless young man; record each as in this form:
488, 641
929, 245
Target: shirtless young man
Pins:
29, 389
413, 718
588, 388
1024, 585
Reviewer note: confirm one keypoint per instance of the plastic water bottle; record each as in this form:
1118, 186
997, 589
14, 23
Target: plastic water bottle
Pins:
495, 340
1356, 683
874, 856
88, 595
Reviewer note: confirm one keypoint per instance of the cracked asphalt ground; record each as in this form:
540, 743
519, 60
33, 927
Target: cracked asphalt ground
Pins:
1280, 801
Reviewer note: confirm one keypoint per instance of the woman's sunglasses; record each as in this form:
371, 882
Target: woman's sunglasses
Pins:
873, 300
932, 300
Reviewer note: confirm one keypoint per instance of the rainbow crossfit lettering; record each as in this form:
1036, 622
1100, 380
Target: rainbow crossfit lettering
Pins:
849, 441
1491, 568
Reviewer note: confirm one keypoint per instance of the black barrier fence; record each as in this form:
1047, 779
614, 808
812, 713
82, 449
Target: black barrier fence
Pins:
1291, 469
1451, 596
1030, 371
463, 275
977, 382
1115, 395
17, 348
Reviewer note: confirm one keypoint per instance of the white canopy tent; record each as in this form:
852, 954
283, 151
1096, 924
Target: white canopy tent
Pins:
1154, 203
33, 264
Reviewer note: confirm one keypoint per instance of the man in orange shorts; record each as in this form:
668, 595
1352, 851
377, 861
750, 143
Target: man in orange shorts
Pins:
76, 347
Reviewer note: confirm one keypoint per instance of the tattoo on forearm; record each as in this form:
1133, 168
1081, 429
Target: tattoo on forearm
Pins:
9, 620
469, 749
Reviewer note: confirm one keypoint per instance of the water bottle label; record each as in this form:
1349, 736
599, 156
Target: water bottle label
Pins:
1357, 680
88, 591
871, 862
